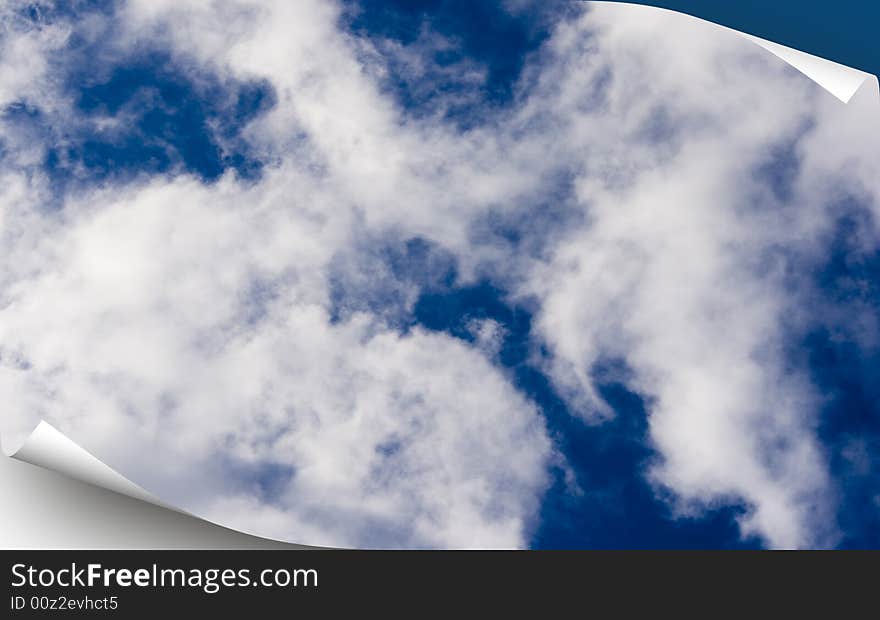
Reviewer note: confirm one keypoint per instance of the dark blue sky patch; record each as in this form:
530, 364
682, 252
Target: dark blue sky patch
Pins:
616, 507
140, 112
850, 431
383, 276
266, 481
477, 34
779, 169
842, 355
145, 116
451, 310
850, 275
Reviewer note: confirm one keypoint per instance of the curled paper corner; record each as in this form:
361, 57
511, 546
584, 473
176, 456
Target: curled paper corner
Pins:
841, 81
72, 500
49, 448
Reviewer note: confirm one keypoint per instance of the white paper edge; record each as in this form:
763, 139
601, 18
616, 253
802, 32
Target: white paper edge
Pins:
131, 516
841, 81
48, 447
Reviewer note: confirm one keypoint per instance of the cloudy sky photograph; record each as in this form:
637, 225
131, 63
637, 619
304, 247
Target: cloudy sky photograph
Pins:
444, 274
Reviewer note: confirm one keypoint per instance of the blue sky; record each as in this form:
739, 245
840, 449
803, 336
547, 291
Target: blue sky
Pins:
445, 274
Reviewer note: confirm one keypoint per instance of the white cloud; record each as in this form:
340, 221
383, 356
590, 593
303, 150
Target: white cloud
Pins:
675, 272
153, 336
24, 74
